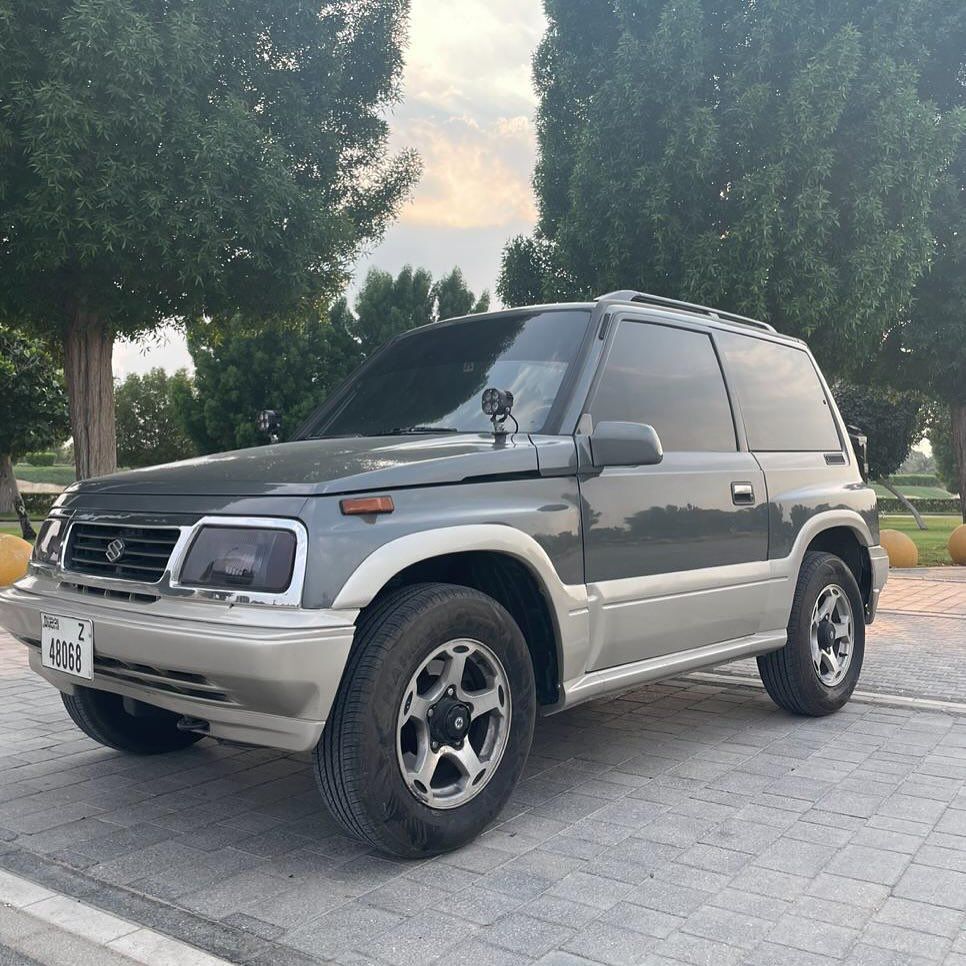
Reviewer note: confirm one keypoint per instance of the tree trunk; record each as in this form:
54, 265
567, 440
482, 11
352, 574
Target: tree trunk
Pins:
958, 413
88, 349
8, 485
906, 503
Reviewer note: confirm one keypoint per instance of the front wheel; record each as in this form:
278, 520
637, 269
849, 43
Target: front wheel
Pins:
816, 672
433, 720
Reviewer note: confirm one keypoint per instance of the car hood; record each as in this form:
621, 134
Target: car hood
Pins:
328, 466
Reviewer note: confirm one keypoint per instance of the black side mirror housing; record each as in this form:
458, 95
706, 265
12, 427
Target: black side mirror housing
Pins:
625, 444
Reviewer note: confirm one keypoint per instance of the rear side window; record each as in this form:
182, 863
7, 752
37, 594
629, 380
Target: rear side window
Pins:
669, 378
782, 400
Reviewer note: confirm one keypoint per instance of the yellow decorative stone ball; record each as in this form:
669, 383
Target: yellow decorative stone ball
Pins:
957, 544
14, 555
900, 548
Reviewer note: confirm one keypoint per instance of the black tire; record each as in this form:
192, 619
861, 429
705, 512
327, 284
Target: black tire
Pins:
356, 759
789, 675
101, 716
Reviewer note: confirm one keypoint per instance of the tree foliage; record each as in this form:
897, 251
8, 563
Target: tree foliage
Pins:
893, 422
239, 371
779, 159
148, 429
292, 366
165, 160
33, 406
386, 306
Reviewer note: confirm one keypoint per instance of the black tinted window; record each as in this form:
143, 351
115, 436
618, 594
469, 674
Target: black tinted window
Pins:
435, 376
670, 379
781, 397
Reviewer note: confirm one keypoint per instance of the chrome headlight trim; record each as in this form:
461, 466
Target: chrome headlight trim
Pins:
291, 596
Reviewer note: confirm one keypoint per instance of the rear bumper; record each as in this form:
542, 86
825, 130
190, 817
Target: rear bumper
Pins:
879, 561
260, 675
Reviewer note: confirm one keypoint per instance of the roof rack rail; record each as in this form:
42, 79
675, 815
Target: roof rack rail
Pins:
628, 295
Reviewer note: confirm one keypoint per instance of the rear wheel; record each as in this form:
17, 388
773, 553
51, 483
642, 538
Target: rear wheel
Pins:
816, 672
432, 723
102, 716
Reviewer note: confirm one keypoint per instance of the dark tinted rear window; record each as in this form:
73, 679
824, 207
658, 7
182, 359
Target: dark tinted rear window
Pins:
670, 379
782, 400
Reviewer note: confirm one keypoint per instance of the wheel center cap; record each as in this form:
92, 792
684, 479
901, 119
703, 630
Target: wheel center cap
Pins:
826, 635
450, 721
456, 722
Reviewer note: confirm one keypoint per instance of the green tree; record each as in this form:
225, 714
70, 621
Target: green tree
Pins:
292, 366
453, 298
148, 430
165, 161
33, 406
386, 306
928, 348
778, 158
892, 421
239, 371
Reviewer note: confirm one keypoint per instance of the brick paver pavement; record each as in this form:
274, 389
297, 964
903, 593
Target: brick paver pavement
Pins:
936, 590
680, 823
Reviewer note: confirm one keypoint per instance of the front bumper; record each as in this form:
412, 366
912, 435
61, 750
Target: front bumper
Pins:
879, 561
254, 674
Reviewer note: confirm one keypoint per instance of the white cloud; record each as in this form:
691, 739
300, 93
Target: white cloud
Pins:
474, 176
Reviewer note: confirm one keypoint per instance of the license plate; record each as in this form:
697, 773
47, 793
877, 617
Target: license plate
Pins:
67, 645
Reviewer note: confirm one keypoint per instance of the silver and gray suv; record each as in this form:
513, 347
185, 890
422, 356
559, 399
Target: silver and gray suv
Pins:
494, 517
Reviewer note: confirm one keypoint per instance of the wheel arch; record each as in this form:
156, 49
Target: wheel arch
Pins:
849, 540
497, 560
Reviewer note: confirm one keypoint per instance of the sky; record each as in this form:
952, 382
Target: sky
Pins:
467, 109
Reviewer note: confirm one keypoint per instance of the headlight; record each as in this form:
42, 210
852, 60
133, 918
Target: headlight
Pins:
240, 558
50, 541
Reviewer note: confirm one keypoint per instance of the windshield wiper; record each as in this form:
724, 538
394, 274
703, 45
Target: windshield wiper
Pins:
405, 430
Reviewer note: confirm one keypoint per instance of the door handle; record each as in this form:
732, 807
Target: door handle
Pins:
742, 494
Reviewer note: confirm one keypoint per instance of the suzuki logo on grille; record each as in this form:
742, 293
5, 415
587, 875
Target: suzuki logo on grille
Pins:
115, 550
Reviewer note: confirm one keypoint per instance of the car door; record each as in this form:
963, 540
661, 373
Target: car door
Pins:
675, 554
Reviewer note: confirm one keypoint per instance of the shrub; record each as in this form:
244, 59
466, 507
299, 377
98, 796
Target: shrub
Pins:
41, 459
892, 505
38, 504
915, 479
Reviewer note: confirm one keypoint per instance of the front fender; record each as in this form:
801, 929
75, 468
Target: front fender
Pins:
568, 601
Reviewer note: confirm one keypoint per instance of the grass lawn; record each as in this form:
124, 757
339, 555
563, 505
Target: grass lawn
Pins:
915, 492
61, 474
931, 542
13, 527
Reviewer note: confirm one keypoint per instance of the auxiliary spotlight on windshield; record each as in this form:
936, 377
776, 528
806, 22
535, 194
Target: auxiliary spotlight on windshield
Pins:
497, 404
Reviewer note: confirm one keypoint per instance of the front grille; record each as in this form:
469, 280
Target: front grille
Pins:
144, 555
107, 593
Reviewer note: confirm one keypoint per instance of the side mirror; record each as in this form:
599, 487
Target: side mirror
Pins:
269, 422
625, 444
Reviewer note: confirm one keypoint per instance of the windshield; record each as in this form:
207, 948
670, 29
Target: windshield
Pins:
432, 380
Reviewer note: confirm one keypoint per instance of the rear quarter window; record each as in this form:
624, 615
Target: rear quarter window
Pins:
782, 400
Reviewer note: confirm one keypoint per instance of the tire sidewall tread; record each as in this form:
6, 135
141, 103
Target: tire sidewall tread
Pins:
788, 674
356, 759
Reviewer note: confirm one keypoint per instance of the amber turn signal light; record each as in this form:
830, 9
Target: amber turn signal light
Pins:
356, 505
